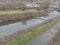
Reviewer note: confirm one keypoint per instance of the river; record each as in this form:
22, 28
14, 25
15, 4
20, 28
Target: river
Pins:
11, 28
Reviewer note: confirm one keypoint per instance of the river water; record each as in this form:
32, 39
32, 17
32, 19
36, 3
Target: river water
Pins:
11, 28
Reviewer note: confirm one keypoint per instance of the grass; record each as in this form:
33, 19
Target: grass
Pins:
22, 39
2, 12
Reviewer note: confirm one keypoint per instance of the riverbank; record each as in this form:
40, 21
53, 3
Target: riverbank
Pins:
20, 40
47, 37
17, 11
11, 16
15, 21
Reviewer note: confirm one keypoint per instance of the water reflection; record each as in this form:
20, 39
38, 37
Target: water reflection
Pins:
24, 22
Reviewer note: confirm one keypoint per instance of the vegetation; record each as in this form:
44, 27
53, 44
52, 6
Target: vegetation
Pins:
3, 12
16, 4
29, 35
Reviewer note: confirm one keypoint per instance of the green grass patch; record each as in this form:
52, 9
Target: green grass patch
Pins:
22, 39
3, 12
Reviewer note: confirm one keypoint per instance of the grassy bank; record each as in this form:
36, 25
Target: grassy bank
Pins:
3, 12
15, 21
29, 35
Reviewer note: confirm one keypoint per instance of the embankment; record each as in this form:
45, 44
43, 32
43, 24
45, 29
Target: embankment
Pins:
12, 17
